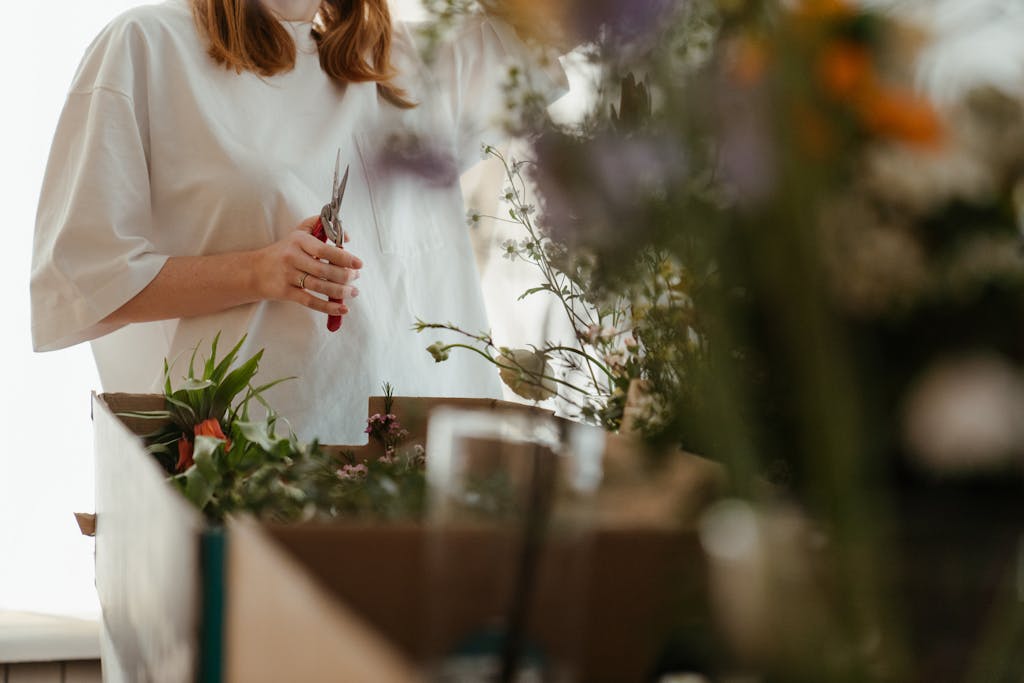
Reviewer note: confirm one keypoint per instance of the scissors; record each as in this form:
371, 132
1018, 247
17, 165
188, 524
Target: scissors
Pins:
328, 226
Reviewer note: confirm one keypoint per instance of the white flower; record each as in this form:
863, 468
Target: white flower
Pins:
438, 351
509, 250
528, 373
966, 414
615, 358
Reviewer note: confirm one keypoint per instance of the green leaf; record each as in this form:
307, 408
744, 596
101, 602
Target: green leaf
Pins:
166, 452
193, 384
208, 370
199, 482
260, 389
258, 433
233, 384
224, 365
146, 414
534, 290
191, 362
255, 392
208, 456
197, 487
167, 379
181, 409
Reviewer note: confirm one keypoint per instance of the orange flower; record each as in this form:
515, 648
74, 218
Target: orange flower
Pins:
845, 70
748, 60
210, 427
184, 455
824, 8
901, 115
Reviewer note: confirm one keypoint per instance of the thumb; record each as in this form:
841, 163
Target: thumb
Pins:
308, 224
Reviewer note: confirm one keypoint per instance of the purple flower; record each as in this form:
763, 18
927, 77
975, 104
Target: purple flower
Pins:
599, 192
419, 156
623, 20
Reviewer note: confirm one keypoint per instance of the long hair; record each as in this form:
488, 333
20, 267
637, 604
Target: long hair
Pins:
353, 37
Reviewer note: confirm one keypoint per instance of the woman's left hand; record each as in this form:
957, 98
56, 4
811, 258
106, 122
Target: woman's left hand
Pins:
299, 266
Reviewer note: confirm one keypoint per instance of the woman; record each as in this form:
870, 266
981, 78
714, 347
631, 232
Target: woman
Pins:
196, 137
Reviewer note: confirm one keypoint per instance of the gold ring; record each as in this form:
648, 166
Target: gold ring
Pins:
302, 281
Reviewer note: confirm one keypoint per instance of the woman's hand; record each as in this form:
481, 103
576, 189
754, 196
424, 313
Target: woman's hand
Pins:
296, 268
300, 266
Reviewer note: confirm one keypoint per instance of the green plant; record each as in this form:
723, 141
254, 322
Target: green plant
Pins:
642, 329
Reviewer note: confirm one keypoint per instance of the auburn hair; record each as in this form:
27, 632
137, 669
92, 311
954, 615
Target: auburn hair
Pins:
353, 38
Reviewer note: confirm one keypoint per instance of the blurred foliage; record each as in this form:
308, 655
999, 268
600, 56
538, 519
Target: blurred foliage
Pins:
851, 268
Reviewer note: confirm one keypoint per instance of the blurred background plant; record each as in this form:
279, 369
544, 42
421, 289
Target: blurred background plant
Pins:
839, 322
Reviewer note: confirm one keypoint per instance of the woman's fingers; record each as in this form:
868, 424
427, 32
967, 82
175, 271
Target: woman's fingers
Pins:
302, 269
330, 253
329, 271
309, 300
330, 289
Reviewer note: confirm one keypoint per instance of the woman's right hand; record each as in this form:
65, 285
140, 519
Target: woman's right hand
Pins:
299, 267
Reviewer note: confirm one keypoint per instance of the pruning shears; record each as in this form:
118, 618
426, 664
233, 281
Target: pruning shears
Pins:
328, 225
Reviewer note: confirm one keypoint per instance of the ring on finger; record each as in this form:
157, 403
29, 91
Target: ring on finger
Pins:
302, 281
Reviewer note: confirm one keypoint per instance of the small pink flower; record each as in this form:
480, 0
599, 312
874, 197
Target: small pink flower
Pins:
353, 471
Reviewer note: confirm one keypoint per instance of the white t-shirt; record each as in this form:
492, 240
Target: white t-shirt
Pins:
160, 151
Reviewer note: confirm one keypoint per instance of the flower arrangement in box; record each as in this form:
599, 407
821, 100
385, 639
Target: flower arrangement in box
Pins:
226, 461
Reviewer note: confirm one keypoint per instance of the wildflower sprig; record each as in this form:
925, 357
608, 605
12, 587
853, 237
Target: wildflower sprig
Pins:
615, 332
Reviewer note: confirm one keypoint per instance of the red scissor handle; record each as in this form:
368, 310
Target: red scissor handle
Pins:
333, 321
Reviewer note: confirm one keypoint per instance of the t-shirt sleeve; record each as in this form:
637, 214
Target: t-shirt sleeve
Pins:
473, 73
93, 247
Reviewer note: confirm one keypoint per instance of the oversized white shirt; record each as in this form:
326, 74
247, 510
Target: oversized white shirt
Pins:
161, 152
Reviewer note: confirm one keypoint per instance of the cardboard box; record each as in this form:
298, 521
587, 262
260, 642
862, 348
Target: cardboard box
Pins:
353, 601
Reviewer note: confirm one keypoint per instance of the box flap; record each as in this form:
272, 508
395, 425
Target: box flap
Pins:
280, 625
147, 552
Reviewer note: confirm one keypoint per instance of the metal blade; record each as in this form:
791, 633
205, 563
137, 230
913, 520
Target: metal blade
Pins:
337, 167
341, 190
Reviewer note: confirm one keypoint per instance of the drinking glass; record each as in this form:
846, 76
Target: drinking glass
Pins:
509, 525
